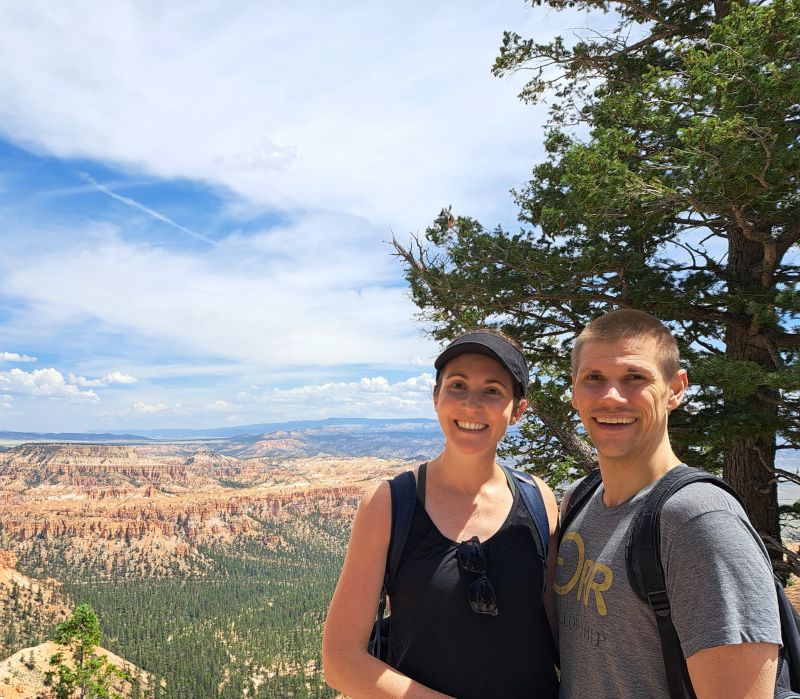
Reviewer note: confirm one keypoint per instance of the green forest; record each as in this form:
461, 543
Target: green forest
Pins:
250, 626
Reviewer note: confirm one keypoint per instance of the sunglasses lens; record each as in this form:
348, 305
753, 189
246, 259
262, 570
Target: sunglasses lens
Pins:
481, 593
470, 556
481, 597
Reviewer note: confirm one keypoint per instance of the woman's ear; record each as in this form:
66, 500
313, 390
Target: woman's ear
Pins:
518, 412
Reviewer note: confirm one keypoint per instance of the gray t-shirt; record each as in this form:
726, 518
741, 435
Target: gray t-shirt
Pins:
719, 583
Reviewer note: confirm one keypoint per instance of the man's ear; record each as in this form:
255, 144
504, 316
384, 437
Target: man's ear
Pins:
677, 389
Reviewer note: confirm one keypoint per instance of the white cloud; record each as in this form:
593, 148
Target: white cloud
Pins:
118, 377
219, 406
386, 111
245, 301
6, 401
43, 382
344, 123
412, 396
15, 357
114, 377
147, 408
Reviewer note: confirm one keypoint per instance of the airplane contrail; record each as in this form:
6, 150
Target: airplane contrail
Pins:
150, 212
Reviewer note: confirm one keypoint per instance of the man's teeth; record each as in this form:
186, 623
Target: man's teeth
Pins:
470, 425
616, 420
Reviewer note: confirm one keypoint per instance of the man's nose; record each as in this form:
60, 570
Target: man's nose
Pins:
613, 393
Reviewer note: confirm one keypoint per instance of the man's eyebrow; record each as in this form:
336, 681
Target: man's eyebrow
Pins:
637, 368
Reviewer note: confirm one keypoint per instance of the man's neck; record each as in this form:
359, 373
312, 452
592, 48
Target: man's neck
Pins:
622, 479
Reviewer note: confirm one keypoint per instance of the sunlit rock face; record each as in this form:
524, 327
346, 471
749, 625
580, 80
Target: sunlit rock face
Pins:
150, 510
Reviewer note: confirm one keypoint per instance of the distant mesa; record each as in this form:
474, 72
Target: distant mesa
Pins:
241, 431
108, 437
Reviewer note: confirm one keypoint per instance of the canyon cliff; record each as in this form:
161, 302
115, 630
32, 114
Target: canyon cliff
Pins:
150, 510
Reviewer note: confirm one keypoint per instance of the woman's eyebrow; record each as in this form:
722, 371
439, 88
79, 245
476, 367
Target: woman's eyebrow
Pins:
462, 375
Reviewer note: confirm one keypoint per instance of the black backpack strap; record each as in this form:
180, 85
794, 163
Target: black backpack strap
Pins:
646, 574
534, 503
422, 472
578, 498
404, 496
403, 489
789, 658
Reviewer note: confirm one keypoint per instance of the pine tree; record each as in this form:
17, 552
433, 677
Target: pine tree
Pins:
671, 185
88, 675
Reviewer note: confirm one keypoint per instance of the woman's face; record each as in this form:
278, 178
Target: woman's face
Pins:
475, 403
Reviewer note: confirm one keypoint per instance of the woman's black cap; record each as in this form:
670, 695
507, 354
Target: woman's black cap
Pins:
490, 345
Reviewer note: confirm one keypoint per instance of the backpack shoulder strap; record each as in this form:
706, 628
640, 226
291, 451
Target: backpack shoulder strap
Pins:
404, 496
403, 489
789, 658
578, 498
646, 574
534, 503
643, 551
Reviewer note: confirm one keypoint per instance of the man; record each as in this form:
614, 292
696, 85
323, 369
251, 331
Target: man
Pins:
626, 380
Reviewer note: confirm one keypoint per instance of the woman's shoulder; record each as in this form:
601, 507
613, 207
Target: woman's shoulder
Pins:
376, 503
376, 500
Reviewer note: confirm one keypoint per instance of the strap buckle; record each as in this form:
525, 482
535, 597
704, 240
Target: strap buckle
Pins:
659, 602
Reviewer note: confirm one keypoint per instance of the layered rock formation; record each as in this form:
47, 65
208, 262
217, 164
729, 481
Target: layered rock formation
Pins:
149, 511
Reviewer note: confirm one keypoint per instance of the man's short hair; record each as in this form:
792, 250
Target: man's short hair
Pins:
626, 324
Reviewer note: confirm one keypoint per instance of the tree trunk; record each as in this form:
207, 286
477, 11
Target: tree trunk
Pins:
749, 465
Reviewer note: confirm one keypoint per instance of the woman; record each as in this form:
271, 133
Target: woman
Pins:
449, 639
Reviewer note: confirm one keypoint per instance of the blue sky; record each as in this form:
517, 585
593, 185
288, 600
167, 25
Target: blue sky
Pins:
196, 197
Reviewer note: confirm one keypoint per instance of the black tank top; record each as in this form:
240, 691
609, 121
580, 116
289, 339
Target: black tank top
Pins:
437, 639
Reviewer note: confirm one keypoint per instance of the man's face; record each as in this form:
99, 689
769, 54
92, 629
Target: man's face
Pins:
623, 399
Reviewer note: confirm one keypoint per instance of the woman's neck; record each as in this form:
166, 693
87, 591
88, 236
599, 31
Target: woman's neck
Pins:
466, 472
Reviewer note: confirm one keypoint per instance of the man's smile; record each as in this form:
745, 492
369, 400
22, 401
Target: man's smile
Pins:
615, 420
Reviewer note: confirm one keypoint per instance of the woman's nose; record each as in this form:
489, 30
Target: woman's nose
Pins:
472, 397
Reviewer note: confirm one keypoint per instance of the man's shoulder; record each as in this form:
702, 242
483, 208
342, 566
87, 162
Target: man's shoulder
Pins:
567, 497
699, 498
701, 518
